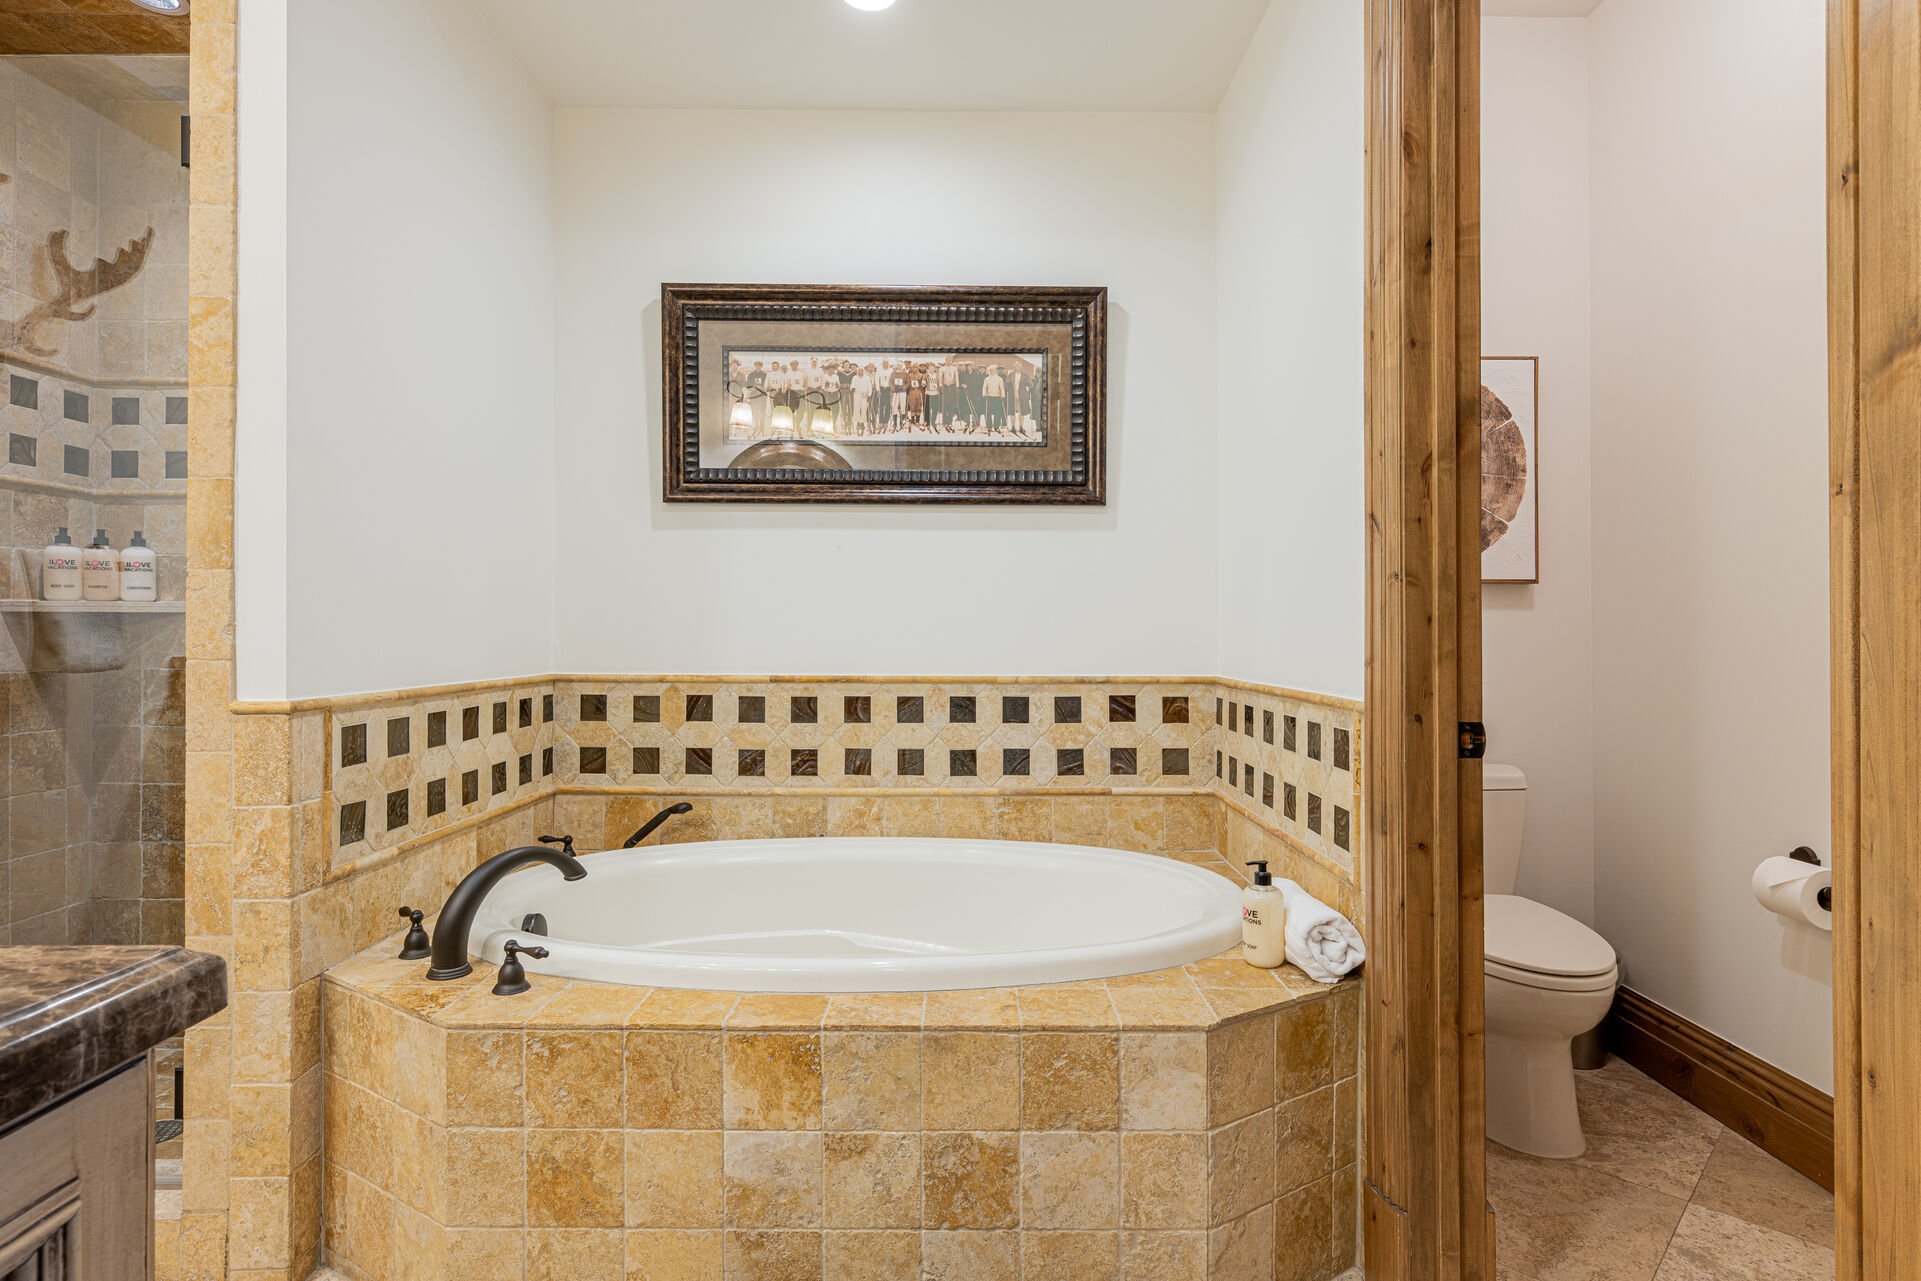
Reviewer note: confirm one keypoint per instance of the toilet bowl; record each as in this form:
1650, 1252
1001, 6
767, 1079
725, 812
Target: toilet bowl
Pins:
1549, 979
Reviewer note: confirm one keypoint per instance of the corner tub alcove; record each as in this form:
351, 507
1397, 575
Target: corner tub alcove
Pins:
1198, 1121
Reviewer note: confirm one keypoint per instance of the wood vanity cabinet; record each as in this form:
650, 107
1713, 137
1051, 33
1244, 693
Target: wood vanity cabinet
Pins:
76, 1185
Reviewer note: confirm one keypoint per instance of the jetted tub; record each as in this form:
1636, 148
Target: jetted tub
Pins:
864, 914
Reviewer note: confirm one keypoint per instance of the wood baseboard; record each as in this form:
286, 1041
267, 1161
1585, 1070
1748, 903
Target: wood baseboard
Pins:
1778, 1113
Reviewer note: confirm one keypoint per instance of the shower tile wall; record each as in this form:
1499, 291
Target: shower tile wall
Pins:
93, 434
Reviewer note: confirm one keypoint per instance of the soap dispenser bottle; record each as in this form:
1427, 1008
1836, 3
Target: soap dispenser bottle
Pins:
138, 581
60, 568
1263, 920
99, 570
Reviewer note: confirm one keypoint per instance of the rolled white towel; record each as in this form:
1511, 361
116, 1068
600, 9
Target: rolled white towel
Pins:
1320, 941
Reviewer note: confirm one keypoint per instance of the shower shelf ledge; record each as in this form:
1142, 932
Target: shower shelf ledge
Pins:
92, 607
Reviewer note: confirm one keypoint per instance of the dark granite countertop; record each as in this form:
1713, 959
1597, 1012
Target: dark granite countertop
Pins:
69, 1015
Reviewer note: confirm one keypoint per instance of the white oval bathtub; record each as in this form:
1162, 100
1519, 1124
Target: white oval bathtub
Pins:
864, 914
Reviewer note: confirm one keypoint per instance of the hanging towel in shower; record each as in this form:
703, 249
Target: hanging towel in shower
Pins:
1320, 941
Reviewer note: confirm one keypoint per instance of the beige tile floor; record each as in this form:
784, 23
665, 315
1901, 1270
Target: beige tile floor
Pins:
1663, 1193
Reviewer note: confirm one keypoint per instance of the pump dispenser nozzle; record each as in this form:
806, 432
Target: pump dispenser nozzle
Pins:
1261, 875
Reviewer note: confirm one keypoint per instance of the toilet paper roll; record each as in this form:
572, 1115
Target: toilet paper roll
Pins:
1788, 887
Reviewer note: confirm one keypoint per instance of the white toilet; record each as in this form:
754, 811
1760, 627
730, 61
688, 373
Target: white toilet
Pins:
1549, 979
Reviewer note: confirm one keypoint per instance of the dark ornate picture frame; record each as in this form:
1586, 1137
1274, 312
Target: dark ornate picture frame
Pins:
1072, 319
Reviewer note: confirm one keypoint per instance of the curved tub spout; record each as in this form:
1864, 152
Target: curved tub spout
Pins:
647, 828
457, 917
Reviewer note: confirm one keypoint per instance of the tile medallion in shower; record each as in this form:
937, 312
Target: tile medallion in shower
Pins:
132, 436
398, 771
894, 734
1274, 746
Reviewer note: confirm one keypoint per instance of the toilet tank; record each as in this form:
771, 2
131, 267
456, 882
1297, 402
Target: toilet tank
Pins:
1503, 813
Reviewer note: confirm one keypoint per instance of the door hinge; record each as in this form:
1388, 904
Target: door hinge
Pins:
1473, 740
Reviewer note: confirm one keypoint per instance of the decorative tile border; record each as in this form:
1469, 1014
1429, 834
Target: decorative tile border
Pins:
119, 437
408, 765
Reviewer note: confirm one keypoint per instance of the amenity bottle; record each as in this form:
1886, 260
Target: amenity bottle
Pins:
138, 581
1263, 920
99, 570
60, 568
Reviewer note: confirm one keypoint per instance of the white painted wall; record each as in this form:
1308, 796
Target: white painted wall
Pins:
1122, 200
1537, 640
1710, 549
416, 465
1291, 276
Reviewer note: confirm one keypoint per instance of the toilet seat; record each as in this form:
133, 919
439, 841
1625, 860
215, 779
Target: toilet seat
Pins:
1535, 946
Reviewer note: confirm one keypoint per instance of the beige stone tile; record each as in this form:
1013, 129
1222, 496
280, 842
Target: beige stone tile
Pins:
1163, 1256
674, 1178
486, 1252
1242, 1250
574, 1179
1304, 1140
1156, 1009
484, 1078
778, 1010
571, 1254
970, 1256
760, 1255
1240, 1167
772, 1081
874, 1012
774, 1179
1558, 1221
1743, 1181
971, 1180
673, 1256
970, 1081
871, 1080
1066, 1009
675, 1008
992, 1008
673, 1080
1638, 1131
873, 1180
1070, 1180
488, 1183
1240, 1069
1304, 1233
590, 1005
1070, 1081
1070, 1256
1163, 1081
573, 1079
871, 1256
1709, 1246
1163, 1180
1305, 1049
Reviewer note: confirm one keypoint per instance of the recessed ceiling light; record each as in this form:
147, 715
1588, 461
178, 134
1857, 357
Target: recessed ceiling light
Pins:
163, 6
872, 6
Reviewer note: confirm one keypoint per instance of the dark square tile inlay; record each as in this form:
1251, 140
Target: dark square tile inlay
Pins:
593, 760
76, 461
1267, 789
526, 713
1343, 835
174, 464
910, 762
803, 762
960, 762
497, 780
752, 762
1174, 709
803, 709
397, 809
1247, 719
526, 769
123, 464
24, 392
1313, 740
1267, 726
1173, 760
469, 724
1067, 709
910, 709
1289, 726
646, 760
752, 709
546, 762
126, 411
1070, 762
353, 745
436, 729
470, 787
593, 707
176, 411
647, 709
500, 717
1342, 749
353, 822
700, 760
1015, 761
1014, 709
1288, 800
858, 762
960, 709
857, 709
436, 797
75, 407
700, 707
22, 451
1233, 718
1121, 760
546, 709
400, 733
1120, 708
1313, 813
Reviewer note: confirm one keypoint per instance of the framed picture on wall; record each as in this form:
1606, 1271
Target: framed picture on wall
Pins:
1510, 471
869, 394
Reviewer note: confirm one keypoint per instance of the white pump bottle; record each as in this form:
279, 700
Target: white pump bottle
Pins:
1263, 920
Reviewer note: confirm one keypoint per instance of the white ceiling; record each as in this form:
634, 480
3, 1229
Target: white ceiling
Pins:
1538, 8
1102, 55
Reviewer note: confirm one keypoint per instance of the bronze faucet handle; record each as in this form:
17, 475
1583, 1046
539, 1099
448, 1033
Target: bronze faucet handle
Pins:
417, 946
512, 979
566, 843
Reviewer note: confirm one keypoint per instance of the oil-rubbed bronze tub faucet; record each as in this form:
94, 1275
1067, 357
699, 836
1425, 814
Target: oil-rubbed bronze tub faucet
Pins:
457, 918
647, 828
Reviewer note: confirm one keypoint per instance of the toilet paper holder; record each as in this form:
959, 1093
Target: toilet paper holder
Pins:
1802, 854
